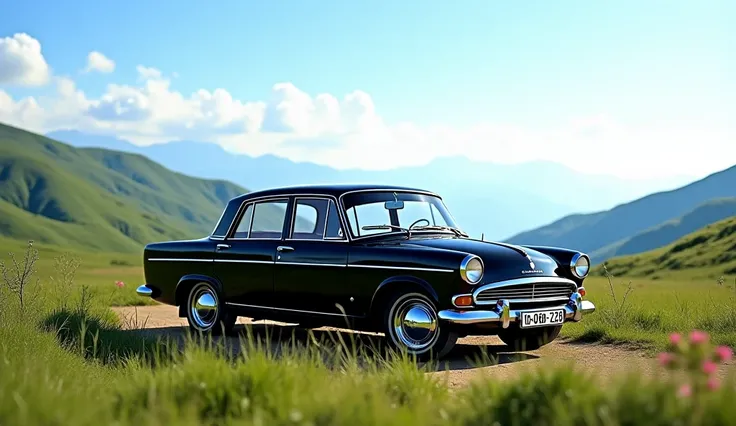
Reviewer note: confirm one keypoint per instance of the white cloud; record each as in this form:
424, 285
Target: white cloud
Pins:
147, 73
21, 61
348, 131
96, 61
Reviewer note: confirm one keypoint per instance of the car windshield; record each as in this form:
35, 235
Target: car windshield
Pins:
389, 212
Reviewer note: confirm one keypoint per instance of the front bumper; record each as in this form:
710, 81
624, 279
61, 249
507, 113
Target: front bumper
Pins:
574, 310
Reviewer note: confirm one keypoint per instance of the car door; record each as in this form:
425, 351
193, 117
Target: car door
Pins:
311, 265
244, 261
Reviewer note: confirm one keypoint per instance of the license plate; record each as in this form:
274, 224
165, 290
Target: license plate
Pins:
542, 318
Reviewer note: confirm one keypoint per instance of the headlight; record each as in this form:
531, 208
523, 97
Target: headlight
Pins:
580, 265
471, 269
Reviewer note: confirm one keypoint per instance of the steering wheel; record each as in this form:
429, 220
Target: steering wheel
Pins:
418, 221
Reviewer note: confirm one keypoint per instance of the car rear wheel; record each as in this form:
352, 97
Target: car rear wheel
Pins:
530, 339
411, 324
206, 313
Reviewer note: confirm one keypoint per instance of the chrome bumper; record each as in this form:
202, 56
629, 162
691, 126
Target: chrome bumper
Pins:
144, 291
574, 310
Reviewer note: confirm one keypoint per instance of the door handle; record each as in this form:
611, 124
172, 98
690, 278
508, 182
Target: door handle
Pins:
223, 246
284, 248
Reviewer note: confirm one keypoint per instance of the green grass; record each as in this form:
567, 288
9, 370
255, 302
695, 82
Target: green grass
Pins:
65, 360
655, 308
77, 367
98, 272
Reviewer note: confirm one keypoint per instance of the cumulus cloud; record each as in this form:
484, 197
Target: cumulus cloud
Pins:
21, 61
347, 131
96, 61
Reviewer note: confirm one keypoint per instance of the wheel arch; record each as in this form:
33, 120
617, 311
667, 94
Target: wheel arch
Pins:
396, 283
186, 283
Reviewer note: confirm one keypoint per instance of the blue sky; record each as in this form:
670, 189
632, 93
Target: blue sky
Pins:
532, 67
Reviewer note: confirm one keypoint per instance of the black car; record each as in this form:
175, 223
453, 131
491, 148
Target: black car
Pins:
370, 258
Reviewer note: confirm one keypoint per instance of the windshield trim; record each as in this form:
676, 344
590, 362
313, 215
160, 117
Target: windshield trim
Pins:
344, 211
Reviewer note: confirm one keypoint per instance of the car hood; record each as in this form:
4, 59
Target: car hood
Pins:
501, 261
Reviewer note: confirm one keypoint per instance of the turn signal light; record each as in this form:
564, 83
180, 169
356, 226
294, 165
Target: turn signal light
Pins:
464, 301
581, 291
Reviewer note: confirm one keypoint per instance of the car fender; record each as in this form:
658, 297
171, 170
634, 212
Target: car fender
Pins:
403, 280
190, 279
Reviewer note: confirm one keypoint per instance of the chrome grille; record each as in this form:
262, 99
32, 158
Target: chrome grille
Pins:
539, 291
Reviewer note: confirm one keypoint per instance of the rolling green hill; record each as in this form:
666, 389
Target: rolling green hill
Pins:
99, 200
710, 251
607, 229
670, 231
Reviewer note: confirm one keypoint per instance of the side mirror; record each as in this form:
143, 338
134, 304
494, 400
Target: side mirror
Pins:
393, 205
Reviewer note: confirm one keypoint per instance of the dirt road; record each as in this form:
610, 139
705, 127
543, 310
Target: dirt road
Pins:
472, 358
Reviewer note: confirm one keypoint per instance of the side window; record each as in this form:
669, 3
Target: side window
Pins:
268, 219
243, 229
316, 219
333, 231
309, 219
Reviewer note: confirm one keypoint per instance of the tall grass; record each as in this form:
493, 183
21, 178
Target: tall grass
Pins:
69, 363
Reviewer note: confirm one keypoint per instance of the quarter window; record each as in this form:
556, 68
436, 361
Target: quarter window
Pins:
243, 230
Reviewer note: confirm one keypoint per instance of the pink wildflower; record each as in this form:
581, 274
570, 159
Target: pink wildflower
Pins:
724, 353
713, 383
709, 367
685, 390
675, 338
698, 337
665, 359
119, 284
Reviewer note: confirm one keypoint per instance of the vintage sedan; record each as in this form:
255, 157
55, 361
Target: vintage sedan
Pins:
370, 258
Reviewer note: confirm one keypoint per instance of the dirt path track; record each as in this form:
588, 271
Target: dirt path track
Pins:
461, 366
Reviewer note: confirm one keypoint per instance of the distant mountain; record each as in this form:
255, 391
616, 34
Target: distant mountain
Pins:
667, 232
496, 199
709, 251
615, 230
97, 199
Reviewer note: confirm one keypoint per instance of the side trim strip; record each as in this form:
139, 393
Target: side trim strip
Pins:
264, 262
336, 265
405, 268
288, 310
175, 259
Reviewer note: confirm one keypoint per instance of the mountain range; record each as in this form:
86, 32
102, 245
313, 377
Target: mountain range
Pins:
497, 200
102, 199
96, 199
643, 224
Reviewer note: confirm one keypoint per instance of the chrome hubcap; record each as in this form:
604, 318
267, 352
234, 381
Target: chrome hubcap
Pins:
415, 324
204, 307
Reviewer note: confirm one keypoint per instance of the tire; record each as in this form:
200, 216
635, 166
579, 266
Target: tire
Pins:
205, 311
528, 340
430, 341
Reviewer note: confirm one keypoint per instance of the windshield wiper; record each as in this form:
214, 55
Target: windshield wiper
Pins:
455, 231
385, 226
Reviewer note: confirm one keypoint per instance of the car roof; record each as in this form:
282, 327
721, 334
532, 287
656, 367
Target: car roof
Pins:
335, 190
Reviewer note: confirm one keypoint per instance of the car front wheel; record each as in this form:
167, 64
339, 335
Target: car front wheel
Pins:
411, 324
528, 340
206, 313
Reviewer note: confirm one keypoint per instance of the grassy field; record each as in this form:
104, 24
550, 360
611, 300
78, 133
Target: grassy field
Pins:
65, 360
655, 308
73, 365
